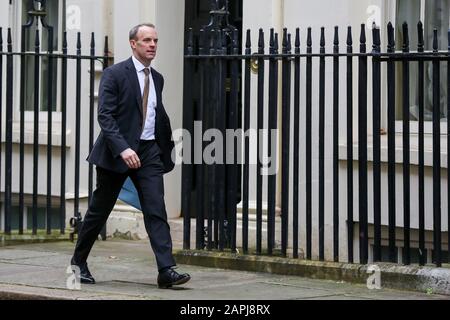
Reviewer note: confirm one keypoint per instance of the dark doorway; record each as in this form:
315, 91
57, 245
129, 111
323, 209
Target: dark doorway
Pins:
197, 16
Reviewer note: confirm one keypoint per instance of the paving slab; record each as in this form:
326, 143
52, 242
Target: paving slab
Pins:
126, 270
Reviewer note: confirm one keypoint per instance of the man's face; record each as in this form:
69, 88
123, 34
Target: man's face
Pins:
145, 44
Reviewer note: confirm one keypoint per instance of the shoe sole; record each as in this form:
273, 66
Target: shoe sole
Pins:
87, 281
176, 283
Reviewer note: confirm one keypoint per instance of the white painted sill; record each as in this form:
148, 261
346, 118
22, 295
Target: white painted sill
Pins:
414, 150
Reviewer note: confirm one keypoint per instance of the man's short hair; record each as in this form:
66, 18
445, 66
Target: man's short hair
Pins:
134, 31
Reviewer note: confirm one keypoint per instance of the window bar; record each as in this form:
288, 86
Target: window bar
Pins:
308, 120
349, 97
376, 144
336, 145
406, 149
37, 73
188, 120
245, 188
295, 223
286, 130
420, 48
77, 128
260, 125
62, 204
391, 89
362, 149
322, 147
49, 129
9, 129
436, 156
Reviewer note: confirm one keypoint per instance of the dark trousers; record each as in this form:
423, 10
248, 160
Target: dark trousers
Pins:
149, 183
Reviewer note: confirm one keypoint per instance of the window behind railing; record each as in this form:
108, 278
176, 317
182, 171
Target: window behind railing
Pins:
435, 15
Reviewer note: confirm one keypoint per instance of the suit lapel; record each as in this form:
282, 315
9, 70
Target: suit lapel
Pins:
157, 88
132, 76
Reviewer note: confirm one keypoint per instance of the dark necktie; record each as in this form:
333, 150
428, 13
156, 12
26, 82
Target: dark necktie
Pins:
145, 96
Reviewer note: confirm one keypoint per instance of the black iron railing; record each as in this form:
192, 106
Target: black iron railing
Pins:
63, 59
216, 60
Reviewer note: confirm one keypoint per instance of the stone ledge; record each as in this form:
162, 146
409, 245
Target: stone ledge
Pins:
28, 237
412, 278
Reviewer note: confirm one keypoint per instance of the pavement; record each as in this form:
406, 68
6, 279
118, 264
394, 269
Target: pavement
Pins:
126, 270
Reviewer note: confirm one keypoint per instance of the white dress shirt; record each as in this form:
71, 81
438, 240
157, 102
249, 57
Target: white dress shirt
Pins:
149, 129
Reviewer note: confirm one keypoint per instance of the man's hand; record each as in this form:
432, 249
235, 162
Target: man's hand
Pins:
131, 159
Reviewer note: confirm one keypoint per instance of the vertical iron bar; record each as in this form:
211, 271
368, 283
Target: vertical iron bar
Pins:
271, 180
211, 170
376, 83
233, 174
77, 128
37, 74
391, 89
350, 231
308, 120
91, 115
202, 191
22, 131
62, 204
188, 120
448, 147
362, 149
222, 120
322, 147
49, 130
260, 126
245, 188
1, 100
336, 145
436, 156
9, 129
286, 121
105, 65
200, 187
420, 48
406, 148
216, 123
295, 225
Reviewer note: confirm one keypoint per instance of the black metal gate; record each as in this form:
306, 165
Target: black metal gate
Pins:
28, 66
217, 57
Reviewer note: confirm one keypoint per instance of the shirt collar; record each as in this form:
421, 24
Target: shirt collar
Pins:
138, 65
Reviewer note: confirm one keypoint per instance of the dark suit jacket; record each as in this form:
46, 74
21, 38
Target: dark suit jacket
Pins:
120, 118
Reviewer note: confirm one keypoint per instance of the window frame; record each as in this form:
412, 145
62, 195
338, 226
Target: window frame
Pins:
413, 124
18, 22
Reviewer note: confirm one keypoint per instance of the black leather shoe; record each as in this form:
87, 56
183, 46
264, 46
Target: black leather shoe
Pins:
170, 277
85, 275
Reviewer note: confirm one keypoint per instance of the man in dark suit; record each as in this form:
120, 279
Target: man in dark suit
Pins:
135, 141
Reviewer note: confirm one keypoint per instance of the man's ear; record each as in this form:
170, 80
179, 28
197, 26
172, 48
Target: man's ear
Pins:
133, 44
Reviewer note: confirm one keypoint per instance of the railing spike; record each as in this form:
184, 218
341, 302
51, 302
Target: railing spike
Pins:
435, 40
297, 38
309, 39
336, 36
349, 36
